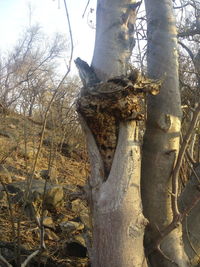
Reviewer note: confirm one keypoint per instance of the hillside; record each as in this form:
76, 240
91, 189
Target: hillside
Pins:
55, 197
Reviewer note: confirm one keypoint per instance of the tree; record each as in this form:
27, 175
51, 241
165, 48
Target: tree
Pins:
161, 143
29, 69
113, 143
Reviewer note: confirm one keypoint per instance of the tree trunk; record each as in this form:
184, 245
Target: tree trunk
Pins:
161, 142
114, 37
118, 222
114, 187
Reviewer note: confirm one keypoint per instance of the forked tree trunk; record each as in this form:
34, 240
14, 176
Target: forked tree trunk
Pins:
161, 142
118, 222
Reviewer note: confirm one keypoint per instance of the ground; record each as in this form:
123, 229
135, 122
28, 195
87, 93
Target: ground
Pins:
66, 221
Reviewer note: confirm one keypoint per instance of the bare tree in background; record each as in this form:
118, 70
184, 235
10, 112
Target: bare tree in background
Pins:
27, 71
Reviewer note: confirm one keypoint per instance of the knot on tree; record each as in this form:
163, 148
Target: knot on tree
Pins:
104, 105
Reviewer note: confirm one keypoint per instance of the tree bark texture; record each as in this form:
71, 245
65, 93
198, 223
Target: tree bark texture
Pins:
114, 37
118, 222
161, 142
113, 142
112, 117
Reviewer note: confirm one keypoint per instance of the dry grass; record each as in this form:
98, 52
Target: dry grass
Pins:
70, 171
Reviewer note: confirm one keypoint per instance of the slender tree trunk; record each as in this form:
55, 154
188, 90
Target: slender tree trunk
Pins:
114, 37
161, 143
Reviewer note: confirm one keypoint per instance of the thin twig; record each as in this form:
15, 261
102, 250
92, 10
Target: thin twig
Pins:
42, 243
2, 259
191, 160
85, 8
175, 174
195, 174
174, 224
179, 7
71, 40
187, 49
30, 257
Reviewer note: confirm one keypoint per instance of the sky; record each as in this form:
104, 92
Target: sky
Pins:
50, 15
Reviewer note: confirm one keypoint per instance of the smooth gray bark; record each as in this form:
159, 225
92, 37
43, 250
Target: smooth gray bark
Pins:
114, 37
118, 222
161, 142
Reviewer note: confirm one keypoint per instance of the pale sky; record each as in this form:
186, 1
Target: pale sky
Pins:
50, 15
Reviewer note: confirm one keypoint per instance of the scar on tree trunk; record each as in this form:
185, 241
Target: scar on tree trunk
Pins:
104, 105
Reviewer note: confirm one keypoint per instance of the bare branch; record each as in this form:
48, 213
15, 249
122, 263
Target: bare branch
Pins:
175, 174
2, 259
182, 6
187, 49
85, 8
30, 257
189, 33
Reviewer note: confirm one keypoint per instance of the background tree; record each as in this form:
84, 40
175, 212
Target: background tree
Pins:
30, 69
161, 142
161, 157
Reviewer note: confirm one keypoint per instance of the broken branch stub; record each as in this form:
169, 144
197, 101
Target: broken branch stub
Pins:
104, 105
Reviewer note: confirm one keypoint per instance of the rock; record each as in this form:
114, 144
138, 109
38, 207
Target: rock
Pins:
71, 188
47, 142
27, 152
48, 222
5, 175
78, 206
12, 126
75, 249
71, 227
80, 239
50, 235
49, 174
73, 192
67, 149
3, 198
80, 209
85, 218
5, 133
53, 196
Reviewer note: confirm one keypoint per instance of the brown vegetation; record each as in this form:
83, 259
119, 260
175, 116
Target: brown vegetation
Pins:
69, 172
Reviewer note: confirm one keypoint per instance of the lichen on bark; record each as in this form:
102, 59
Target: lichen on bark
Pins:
105, 104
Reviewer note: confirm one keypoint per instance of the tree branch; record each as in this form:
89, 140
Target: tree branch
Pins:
189, 33
2, 259
175, 174
187, 49
30, 257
